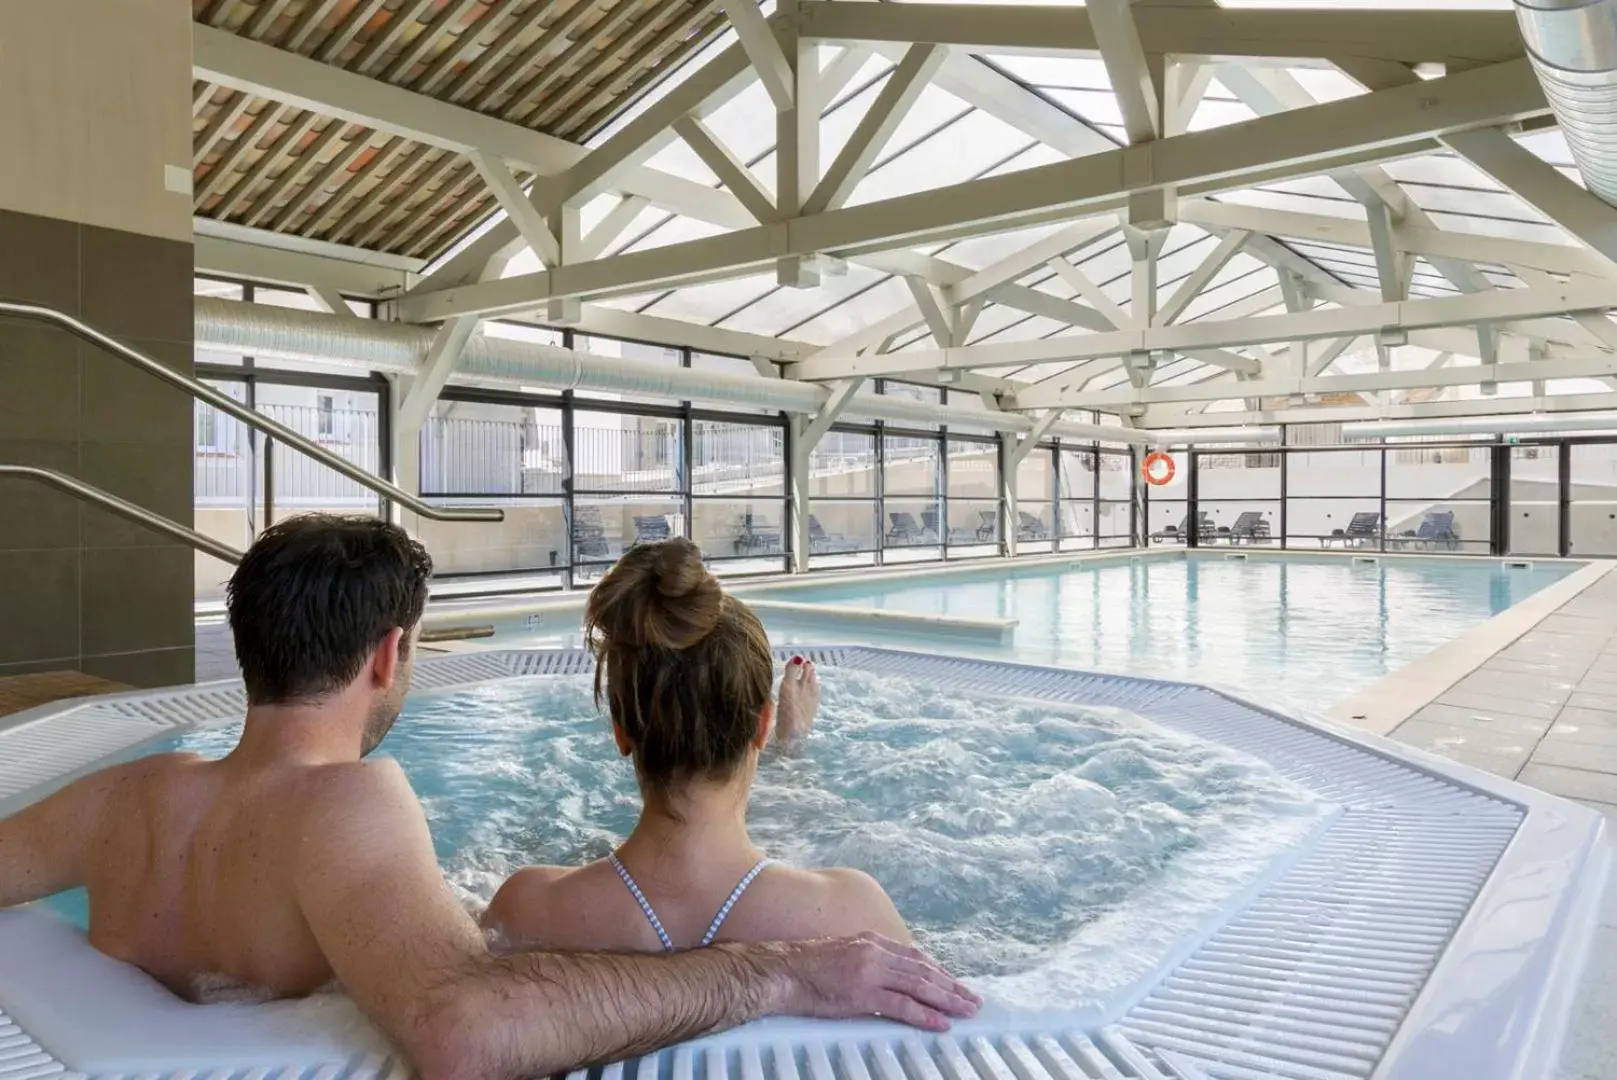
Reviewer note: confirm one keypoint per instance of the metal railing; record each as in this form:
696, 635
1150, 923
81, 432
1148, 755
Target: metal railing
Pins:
124, 509
231, 407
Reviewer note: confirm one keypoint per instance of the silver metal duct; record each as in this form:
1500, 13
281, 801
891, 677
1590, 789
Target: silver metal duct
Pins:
1573, 46
315, 337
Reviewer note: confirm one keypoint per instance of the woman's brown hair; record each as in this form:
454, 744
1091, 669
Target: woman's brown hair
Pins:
686, 668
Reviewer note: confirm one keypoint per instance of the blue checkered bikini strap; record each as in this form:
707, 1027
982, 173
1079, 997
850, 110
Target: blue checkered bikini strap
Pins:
645, 905
735, 895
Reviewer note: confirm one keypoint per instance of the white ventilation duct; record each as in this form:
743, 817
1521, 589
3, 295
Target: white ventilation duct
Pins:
313, 337
1573, 46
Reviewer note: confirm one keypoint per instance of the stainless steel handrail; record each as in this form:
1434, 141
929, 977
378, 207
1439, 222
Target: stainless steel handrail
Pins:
231, 407
124, 508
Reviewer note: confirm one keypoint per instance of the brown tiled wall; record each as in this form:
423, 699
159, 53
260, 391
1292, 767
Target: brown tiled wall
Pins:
80, 588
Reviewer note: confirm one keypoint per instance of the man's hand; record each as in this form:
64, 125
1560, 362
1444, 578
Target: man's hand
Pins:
873, 976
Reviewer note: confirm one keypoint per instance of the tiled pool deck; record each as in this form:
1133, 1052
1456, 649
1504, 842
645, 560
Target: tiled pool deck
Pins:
1543, 710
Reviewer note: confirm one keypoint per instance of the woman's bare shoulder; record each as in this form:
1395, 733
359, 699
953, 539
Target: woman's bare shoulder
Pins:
561, 907
837, 902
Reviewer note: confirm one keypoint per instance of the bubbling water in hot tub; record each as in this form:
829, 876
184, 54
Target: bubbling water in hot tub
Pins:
1052, 854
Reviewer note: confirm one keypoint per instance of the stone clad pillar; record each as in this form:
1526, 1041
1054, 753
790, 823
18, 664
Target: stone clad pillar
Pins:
95, 219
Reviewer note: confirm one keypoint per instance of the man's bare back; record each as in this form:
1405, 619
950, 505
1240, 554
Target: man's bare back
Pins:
201, 857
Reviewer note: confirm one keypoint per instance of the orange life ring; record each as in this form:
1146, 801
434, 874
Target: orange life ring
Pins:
1152, 460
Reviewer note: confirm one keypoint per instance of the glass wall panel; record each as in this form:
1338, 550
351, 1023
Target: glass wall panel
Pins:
973, 469
476, 448
1333, 498
620, 452
1333, 473
1438, 498
843, 465
911, 465
839, 527
604, 527
750, 530
1593, 519
1535, 500
345, 422
1239, 496
1077, 475
1114, 513
973, 526
737, 459
1167, 509
225, 484
1440, 526
532, 538
1036, 476
1354, 521
911, 529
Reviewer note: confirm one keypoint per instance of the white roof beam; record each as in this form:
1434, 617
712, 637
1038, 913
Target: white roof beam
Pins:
1398, 121
1431, 243
876, 127
731, 172
930, 304
1201, 277
758, 39
1089, 292
1407, 36
240, 253
1369, 382
609, 228
1465, 310
516, 203
1169, 416
1138, 99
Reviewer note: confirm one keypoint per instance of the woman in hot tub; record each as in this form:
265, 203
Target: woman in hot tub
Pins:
686, 672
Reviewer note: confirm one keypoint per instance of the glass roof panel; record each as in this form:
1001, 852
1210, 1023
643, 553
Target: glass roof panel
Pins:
1217, 111
1096, 106
1509, 230
746, 123
1325, 83
674, 231
681, 160
856, 313
960, 152
1274, 200
994, 318
714, 300
778, 311
1472, 203
1036, 326
1446, 170
1072, 72
1549, 145
981, 251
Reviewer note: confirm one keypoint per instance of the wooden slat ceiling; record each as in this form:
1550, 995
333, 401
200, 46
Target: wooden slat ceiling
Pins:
563, 67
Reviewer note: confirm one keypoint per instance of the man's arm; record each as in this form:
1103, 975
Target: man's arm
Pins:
369, 887
42, 846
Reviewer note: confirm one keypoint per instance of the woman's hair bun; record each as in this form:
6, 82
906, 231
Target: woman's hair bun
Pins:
658, 595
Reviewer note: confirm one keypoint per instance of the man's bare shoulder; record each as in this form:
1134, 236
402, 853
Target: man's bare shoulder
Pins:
142, 773
356, 789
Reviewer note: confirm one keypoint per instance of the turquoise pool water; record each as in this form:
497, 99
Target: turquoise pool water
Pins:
1050, 852
1301, 632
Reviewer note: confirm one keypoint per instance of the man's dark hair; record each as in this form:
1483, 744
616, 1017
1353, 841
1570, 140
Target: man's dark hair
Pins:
314, 596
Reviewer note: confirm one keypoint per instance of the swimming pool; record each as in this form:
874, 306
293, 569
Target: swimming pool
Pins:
1304, 632
1049, 851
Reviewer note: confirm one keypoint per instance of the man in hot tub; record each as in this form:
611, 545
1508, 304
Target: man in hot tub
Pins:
293, 861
